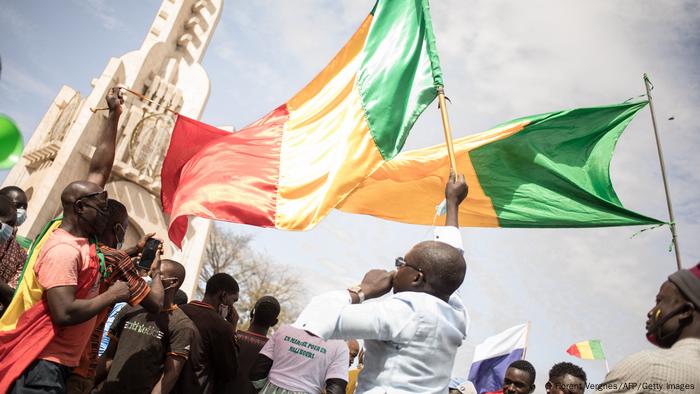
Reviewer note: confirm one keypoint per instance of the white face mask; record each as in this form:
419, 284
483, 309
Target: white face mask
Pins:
5, 232
223, 311
21, 216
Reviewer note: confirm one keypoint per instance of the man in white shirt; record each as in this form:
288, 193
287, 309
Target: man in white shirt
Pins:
412, 336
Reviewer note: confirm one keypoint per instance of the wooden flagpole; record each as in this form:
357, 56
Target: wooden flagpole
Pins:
527, 338
447, 129
648, 85
139, 95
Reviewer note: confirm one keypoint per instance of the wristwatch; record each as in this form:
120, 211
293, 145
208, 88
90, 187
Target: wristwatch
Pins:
358, 290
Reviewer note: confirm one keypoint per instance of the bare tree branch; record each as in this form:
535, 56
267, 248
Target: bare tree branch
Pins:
256, 274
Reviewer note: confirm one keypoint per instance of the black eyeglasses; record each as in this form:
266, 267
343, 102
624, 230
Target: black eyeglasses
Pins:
400, 262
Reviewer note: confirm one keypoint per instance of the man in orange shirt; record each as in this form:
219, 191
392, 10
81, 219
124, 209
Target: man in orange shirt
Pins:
68, 268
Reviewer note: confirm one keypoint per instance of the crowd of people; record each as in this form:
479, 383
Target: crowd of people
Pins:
82, 313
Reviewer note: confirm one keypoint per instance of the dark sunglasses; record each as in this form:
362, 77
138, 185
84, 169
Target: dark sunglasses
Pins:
90, 196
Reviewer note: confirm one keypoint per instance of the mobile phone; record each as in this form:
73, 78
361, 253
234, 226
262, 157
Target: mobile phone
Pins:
149, 253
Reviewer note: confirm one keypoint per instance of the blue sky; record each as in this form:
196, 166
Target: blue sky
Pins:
501, 60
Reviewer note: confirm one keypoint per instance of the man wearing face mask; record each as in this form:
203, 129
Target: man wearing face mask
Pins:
13, 251
214, 361
47, 325
62, 289
148, 350
119, 267
98, 173
674, 326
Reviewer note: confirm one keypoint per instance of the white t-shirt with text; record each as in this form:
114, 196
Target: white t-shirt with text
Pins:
303, 362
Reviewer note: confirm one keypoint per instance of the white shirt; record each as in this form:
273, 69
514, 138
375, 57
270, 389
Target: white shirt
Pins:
410, 338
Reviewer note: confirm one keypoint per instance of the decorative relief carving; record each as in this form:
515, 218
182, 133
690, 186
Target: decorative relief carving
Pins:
65, 120
148, 144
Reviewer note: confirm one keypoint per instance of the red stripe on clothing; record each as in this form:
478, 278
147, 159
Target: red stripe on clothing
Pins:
21, 346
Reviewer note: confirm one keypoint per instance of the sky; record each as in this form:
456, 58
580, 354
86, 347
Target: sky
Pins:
501, 60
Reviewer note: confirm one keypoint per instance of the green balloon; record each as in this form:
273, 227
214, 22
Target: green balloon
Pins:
11, 143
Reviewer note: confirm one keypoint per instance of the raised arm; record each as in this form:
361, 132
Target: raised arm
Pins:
337, 315
455, 192
103, 158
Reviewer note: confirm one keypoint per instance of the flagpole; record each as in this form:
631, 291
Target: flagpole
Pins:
607, 368
139, 95
446, 127
649, 87
527, 338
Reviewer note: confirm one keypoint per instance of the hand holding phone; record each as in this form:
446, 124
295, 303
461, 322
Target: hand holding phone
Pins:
149, 253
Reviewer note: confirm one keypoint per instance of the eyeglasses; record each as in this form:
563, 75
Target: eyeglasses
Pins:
400, 262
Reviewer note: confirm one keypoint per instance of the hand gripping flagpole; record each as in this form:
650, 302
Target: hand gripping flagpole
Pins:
446, 127
142, 97
649, 86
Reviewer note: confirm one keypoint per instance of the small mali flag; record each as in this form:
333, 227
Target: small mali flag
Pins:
587, 350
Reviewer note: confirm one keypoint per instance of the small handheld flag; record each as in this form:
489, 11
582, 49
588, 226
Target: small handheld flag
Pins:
589, 350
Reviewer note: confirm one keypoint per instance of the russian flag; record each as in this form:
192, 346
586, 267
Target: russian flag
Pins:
494, 355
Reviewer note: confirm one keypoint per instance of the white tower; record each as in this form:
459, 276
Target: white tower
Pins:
167, 69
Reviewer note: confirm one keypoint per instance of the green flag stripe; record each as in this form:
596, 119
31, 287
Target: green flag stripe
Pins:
556, 171
399, 72
596, 349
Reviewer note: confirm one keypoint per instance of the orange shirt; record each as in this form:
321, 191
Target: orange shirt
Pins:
60, 263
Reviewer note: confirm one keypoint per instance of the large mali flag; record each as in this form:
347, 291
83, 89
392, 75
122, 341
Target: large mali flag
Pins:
290, 168
587, 350
548, 170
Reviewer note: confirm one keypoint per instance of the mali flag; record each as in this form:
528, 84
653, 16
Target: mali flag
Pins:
25, 327
290, 168
587, 350
548, 170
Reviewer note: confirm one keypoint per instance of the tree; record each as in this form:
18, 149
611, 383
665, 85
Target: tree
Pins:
256, 274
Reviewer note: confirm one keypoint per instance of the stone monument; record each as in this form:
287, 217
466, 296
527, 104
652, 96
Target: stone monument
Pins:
167, 69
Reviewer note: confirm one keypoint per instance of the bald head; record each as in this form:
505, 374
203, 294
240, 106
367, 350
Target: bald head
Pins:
444, 266
173, 269
77, 190
85, 209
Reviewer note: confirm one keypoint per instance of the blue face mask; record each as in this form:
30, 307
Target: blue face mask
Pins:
21, 216
5, 232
